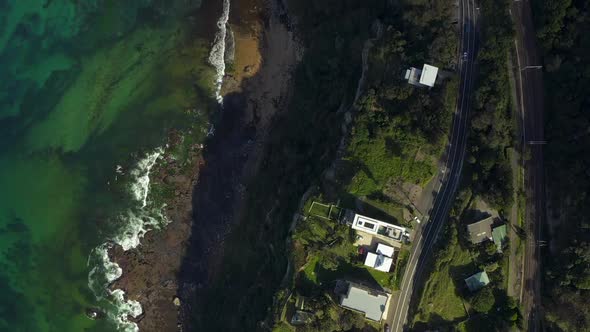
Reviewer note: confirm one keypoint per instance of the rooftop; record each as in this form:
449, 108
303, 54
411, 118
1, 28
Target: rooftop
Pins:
378, 262
499, 236
477, 281
481, 230
385, 250
374, 226
428, 76
370, 302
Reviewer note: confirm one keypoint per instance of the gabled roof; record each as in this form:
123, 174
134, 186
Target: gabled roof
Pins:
477, 281
481, 230
499, 236
378, 262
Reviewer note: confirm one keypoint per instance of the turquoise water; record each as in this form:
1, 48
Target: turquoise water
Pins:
86, 86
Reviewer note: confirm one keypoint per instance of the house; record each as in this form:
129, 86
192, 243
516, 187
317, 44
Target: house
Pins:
477, 281
424, 77
370, 302
481, 230
378, 227
382, 259
499, 235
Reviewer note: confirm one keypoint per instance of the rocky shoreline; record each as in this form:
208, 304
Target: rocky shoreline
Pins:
173, 265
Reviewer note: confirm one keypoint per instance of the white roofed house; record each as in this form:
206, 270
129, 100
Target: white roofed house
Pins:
377, 227
421, 78
382, 259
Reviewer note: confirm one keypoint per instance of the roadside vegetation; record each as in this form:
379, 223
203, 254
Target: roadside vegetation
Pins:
487, 166
562, 30
400, 131
445, 302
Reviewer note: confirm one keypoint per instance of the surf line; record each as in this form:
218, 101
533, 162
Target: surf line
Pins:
135, 223
217, 54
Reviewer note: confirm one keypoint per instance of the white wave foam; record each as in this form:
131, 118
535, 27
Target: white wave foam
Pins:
135, 223
217, 54
141, 174
124, 310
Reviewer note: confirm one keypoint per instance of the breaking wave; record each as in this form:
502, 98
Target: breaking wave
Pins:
135, 223
217, 54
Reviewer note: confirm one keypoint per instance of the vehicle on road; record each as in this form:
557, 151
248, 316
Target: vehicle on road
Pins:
386, 328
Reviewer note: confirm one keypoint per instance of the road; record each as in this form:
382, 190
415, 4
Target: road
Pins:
427, 232
531, 102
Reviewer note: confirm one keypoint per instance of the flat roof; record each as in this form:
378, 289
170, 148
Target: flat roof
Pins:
372, 304
428, 76
378, 262
374, 226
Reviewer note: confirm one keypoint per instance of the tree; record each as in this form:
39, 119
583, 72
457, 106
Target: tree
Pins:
483, 301
491, 248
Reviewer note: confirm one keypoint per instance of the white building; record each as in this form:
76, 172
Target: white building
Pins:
374, 226
382, 259
424, 77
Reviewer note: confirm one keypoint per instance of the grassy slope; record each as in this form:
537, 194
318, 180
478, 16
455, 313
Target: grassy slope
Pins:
440, 299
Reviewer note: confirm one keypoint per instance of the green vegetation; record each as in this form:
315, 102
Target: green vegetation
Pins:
440, 299
400, 131
562, 29
488, 161
398, 136
446, 302
323, 252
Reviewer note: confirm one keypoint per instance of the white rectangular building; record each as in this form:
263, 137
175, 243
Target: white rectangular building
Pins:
428, 76
374, 226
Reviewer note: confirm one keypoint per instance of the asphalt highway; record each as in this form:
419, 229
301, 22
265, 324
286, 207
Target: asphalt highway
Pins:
427, 232
531, 103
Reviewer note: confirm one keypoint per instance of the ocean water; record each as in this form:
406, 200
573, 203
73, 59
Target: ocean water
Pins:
88, 92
